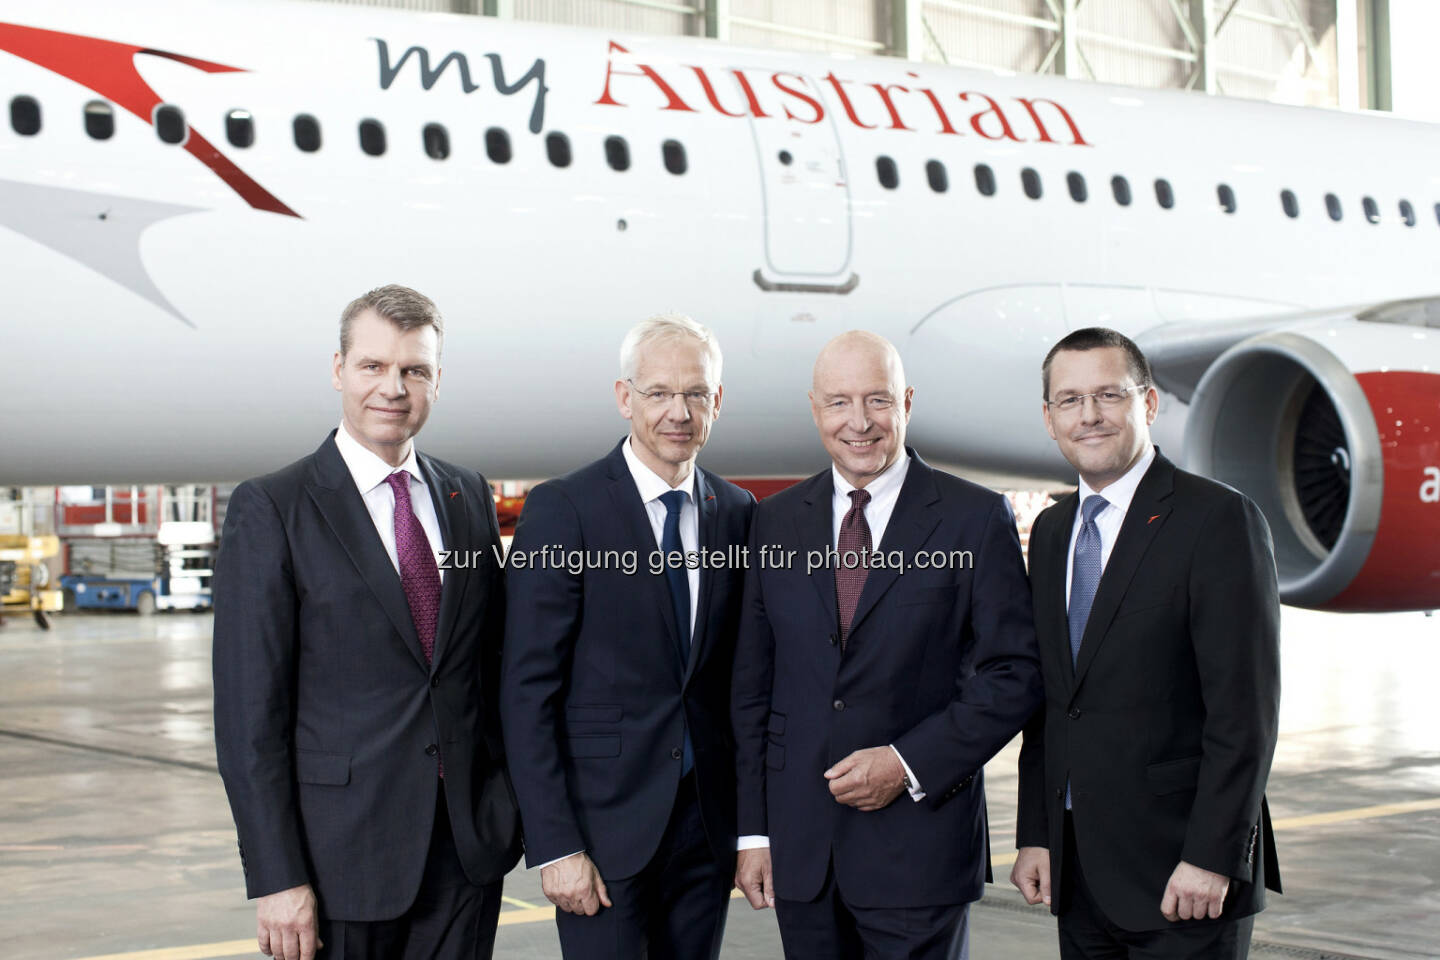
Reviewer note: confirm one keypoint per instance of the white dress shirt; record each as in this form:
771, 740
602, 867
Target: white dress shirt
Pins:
1108, 521
369, 473
884, 494
652, 487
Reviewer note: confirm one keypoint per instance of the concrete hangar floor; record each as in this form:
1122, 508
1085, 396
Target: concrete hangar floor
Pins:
116, 841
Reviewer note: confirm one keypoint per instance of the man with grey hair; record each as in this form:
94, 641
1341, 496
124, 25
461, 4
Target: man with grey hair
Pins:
617, 667
356, 681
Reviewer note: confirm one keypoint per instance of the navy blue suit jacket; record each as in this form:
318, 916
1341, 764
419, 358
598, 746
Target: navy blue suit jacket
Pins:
596, 701
941, 662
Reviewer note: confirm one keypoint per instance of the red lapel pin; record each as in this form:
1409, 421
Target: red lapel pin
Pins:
711, 497
1147, 522
456, 493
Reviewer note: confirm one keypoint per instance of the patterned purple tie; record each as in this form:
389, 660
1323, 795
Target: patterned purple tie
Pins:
418, 573
851, 571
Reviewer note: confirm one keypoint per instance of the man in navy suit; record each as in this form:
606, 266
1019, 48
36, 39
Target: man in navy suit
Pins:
624, 591
886, 651
356, 680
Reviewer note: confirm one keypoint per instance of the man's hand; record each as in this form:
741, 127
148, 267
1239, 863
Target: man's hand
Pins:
286, 926
574, 885
1193, 893
753, 877
867, 779
1031, 874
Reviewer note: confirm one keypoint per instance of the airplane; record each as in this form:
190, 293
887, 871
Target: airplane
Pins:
190, 192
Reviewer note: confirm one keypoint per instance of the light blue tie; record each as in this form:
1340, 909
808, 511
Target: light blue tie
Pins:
1084, 579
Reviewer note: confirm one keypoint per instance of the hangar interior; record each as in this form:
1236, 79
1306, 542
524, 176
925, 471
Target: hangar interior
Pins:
104, 707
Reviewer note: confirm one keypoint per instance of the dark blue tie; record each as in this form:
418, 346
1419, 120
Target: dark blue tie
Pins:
1084, 579
679, 580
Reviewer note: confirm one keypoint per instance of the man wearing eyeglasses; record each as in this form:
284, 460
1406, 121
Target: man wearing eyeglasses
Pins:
1142, 819
617, 677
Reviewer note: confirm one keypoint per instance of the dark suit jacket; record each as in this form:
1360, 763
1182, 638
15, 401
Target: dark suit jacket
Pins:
327, 717
596, 700
939, 662
1167, 725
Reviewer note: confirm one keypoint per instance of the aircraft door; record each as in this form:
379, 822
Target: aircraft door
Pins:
806, 191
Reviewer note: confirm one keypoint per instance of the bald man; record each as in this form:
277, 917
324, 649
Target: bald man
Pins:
886, 651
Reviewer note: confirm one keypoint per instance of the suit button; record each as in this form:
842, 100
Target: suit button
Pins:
1074, 713
431, 750
838, 704
676, 754
833, 641
434, 682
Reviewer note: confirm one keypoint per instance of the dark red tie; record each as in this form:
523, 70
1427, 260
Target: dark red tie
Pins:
418, 573
854, 547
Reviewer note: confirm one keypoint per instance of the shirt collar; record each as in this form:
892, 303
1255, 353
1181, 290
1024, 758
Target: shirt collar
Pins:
650, 484
367, 469
1122, 491
889, 481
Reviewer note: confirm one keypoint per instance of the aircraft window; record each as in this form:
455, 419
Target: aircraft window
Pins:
99, 120
1076, 183
1332, 207
25, 116
984, 180
170, 124
1121, 188
307, 132
1407, 213
240, 128
1437, 211
1030, 180
1227, 197
1372, 209
617, 153
885, 169
372, 137
1164, 195
935, 173
673, 152
436, 140
785, 158
557, 148
497, 145
1291, 205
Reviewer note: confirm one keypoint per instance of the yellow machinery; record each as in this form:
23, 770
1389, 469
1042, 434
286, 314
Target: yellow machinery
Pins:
24, 578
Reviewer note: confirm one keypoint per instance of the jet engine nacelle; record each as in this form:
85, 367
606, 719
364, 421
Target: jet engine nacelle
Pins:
1333, 428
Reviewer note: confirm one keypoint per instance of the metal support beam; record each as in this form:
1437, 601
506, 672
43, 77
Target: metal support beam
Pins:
504, 9
1347, 53
717, 19
1202, 36
907, 31
1377, 55
1069, 61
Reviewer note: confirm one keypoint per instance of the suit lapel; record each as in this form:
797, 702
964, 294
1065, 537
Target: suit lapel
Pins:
709, 535
1143, 520
816, 528
1055, 554
339, 502
454, 517
625, 497
911, 524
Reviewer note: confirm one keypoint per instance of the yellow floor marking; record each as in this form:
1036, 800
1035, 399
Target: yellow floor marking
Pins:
528, 913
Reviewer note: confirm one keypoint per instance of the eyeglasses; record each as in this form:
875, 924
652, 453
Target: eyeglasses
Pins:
694, 399
1104, 399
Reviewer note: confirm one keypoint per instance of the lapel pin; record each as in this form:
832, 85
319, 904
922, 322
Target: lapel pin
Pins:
711, 497
456, 493
1147, 522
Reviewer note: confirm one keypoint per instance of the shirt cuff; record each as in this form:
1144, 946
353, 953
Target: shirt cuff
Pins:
916, 793
752, 842
556, 860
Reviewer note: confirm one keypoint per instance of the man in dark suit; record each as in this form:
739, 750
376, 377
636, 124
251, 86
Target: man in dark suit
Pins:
356, 678
1142, 819
865, 674
617, 676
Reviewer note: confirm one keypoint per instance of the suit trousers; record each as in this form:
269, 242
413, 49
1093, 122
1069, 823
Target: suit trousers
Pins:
1087, 934
831, 928
674, 909
451, 918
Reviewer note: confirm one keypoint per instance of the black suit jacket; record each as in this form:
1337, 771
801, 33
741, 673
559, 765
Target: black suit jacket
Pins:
596, 700
1166, 727
327, 717
940, 662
